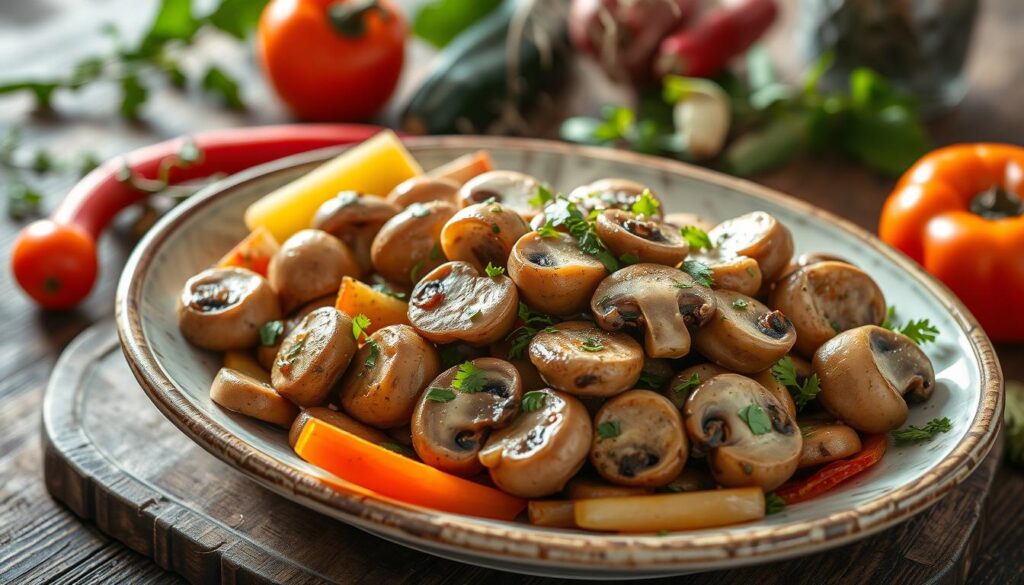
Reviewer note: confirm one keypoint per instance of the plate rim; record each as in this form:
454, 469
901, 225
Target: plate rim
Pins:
519, 542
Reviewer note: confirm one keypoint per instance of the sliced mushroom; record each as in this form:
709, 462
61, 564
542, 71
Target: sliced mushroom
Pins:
778, 390
826, 298
582, 359
355, 219
239, 392
313, 357
662, 301
338, 419
409, 244
454, 302
639, 440
224, 308
267, 354
744, 335
757, 235
826, 440
310, 264
423, 189
512, 189
610, 194
686, 381
868, 375
553, 275
585, 487
387, 376
482, 234
641, 237
541, 449
450, 426
749, 438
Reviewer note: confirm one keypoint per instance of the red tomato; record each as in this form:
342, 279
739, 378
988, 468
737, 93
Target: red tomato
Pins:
55, 264
333, 59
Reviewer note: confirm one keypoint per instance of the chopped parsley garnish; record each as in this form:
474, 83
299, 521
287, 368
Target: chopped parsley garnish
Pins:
592, 344
495, 209
751, 272
495, 228
533, 323
292, 353
699, 271
533, 401
270, 332
547, 230
740, 304
756, 419
773, 504
360, 323
469, 378
914, 434
564, 212
418, 210
920, 331
371, 360
682, 285
436, 394
785, 372
645, 204
628, 258
608, 430
686, 385
696, 237
493, 270
650, 381
542, 198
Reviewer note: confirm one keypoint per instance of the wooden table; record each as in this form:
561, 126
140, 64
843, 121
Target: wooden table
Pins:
42, 540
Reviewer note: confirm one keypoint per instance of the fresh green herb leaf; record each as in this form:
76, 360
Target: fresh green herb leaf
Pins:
360, 323
440, 21
756, 419
494, 271
133, 95
645, 204
564, 212
699, 271
912, 434
751, 272
697, 238
270, 332
542, 198
785, 372
608, 430
292, 354
472, 313
532, 323
773, 504
890, 315
436, 394
835, 327
238, 18
920, 331
533, 400
682, 285
592, 344
371, 359
383, 289
495, 209
740, 304
629, 259
218, 82
547, 230
605, 299
469, 378
686, 385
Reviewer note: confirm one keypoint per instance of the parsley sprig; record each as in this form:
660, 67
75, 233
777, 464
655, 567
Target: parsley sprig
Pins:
360, 325
608, 430
533, 400
696, 237
920, 331
785, 372
645, 204
912, 434
592, 344
773, 504
562, 212
683, 388
699, 271
270, 332
494, 271
469, 378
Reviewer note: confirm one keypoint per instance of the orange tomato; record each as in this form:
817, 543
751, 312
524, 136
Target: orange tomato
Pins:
54, 263
959, 213
333, 59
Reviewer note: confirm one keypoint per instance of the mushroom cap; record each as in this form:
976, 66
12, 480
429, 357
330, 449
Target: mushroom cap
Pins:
826, 440
242, 393
409, 244
423, 189
767, 379
454, 302
355, 219
313, 357
449, 435
338, 419
737, 456
663, 301
757, 235
681, 220
580, 358
683, 384
540, 450
825, 298
310, 264
744, 335
647, 239
512, 189
482, 234
383, 384
223, 308
553, 275
867, 376
611, 193
737, 273
650, 447
267, 354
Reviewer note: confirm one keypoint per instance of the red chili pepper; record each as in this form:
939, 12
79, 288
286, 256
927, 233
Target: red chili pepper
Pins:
54, 260
835, 473
705, 47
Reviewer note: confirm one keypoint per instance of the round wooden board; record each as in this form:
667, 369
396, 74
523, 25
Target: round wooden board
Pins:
113, 459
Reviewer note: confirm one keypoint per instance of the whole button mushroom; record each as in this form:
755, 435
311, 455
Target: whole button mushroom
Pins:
543, 447
553, 275
740, 273
424, 189
868, 375
409, 244
310, 264
512, 189
611, 193
825, 298
645, 238
456, 303
338, 419
355, 219
238, 392
313, 357
482, 234
223, 308
387, 376
767, 379
812, 258
687, 380
582, 359
450, 425
639, 440
748, 437
662, 301
756, 235
744, 335
826, 440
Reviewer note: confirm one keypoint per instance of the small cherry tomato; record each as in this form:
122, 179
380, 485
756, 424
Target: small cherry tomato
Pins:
55, 264
333, 59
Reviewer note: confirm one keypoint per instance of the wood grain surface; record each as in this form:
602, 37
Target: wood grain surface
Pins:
41, 540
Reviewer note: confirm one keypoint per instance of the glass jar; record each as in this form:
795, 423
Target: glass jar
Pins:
918, 45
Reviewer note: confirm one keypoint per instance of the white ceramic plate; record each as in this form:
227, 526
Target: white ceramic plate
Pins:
177, 377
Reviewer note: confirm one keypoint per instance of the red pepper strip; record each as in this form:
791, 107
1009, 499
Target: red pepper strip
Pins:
54, 260
835, 473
